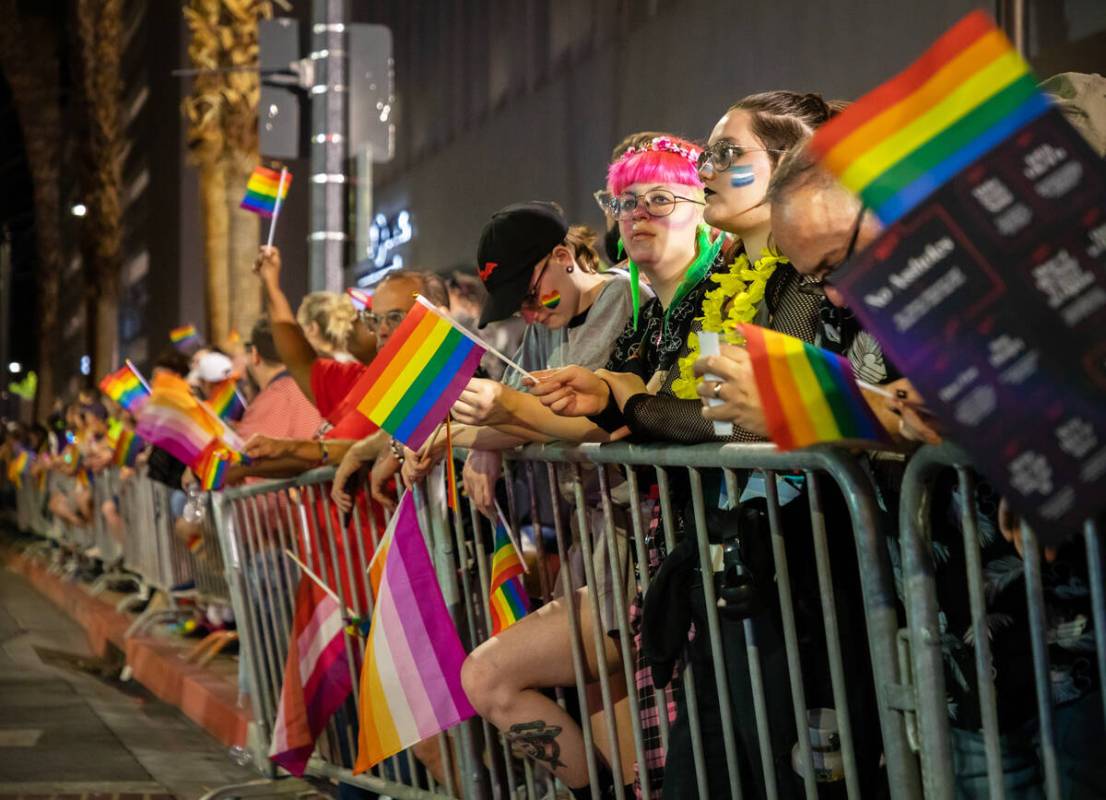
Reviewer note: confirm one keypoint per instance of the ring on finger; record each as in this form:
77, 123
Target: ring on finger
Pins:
717, 391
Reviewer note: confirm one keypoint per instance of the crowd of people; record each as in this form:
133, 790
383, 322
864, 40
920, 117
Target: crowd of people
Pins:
702, 237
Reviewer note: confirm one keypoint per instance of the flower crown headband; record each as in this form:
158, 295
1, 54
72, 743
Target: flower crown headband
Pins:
664, 144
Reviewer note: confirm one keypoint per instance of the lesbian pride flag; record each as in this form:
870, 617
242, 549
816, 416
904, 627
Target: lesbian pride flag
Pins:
419, 374
900, 142
174, 420
809, 395
316, 677
411, 681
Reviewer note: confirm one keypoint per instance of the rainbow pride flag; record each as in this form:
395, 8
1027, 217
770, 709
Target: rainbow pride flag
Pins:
316, 677
418, 374
263, 189
18, 466
809, 395
211, 466
125, 387
174, 420
227, 401
184, 337
411, 679
127, 448
900, 142
507, 597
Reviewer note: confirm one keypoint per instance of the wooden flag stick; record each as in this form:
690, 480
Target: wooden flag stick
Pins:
474, 338
510, 538
871, 387
137, 374
318, 581
276, 206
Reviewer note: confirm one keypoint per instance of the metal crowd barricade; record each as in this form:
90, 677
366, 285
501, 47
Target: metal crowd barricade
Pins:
923, 603
256, 524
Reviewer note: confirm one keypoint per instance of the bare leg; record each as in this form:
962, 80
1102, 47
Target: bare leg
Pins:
501, 677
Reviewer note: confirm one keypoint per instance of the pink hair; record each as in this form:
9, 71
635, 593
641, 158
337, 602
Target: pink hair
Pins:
653, 164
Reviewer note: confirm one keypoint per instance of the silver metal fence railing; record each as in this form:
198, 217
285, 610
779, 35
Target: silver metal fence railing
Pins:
824, 638
751, 738
926, 605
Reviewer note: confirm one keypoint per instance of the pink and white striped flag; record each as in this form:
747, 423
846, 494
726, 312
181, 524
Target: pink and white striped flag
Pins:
411, 680
316, 677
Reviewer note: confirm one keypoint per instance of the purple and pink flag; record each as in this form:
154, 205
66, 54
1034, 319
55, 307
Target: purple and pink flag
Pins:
316, 677
411, 679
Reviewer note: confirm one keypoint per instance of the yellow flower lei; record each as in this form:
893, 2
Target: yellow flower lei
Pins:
743, 286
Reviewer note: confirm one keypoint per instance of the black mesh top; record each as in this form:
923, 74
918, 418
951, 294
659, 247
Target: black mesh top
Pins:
663, 416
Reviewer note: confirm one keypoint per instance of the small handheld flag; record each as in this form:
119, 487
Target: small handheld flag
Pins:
127, 448
185, 337
317, 678
809, 395
174, 420
126, 387
507, 598
418, 375
265, 190
227, 400
265, 193
411, 678
900, 142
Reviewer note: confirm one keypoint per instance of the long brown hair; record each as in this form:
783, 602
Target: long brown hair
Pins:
782, 119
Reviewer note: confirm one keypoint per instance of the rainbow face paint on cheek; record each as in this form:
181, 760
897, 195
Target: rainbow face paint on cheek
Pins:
551, 300
741, 175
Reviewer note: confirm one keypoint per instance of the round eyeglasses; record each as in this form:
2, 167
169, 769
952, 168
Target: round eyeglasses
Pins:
373, 322
656, 202
720, 156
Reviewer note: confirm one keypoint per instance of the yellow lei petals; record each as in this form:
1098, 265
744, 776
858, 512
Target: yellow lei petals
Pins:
743, 287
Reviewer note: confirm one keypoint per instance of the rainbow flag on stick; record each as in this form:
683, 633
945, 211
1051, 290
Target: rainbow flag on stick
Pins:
809, 395
419, 374
185, 337
411, 679
127, 448
227, 401
126, 387
900, 142
265, 190
316, 677
507, 599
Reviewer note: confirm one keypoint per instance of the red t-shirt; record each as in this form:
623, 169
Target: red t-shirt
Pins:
336, 390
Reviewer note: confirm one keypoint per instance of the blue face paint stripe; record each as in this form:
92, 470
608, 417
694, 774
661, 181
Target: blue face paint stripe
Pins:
741, 175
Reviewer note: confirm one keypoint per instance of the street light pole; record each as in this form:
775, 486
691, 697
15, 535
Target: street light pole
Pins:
329, 136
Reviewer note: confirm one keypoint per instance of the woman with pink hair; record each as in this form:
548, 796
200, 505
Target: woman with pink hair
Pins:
655, 194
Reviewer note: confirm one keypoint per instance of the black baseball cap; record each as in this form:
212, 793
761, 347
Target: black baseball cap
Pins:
514, 240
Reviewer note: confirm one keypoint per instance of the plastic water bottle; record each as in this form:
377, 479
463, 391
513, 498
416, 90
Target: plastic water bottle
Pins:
195, 507
240, 756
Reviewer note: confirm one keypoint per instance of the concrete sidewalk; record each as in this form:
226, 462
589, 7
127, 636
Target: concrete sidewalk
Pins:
66, 730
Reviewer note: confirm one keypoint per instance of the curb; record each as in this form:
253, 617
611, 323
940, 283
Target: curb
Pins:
209, 700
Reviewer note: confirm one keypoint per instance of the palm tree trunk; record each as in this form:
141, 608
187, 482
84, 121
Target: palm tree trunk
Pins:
242, 244
99, 87
29, 56
213, 190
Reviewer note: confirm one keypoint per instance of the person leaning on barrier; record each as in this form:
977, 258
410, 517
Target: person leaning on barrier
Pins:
656, 196
820, 224
326, 382
548, 271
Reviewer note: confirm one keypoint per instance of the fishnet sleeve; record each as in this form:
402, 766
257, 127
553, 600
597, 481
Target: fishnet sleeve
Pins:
667, 418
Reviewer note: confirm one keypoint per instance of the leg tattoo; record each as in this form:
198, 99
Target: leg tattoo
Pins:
536, 740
